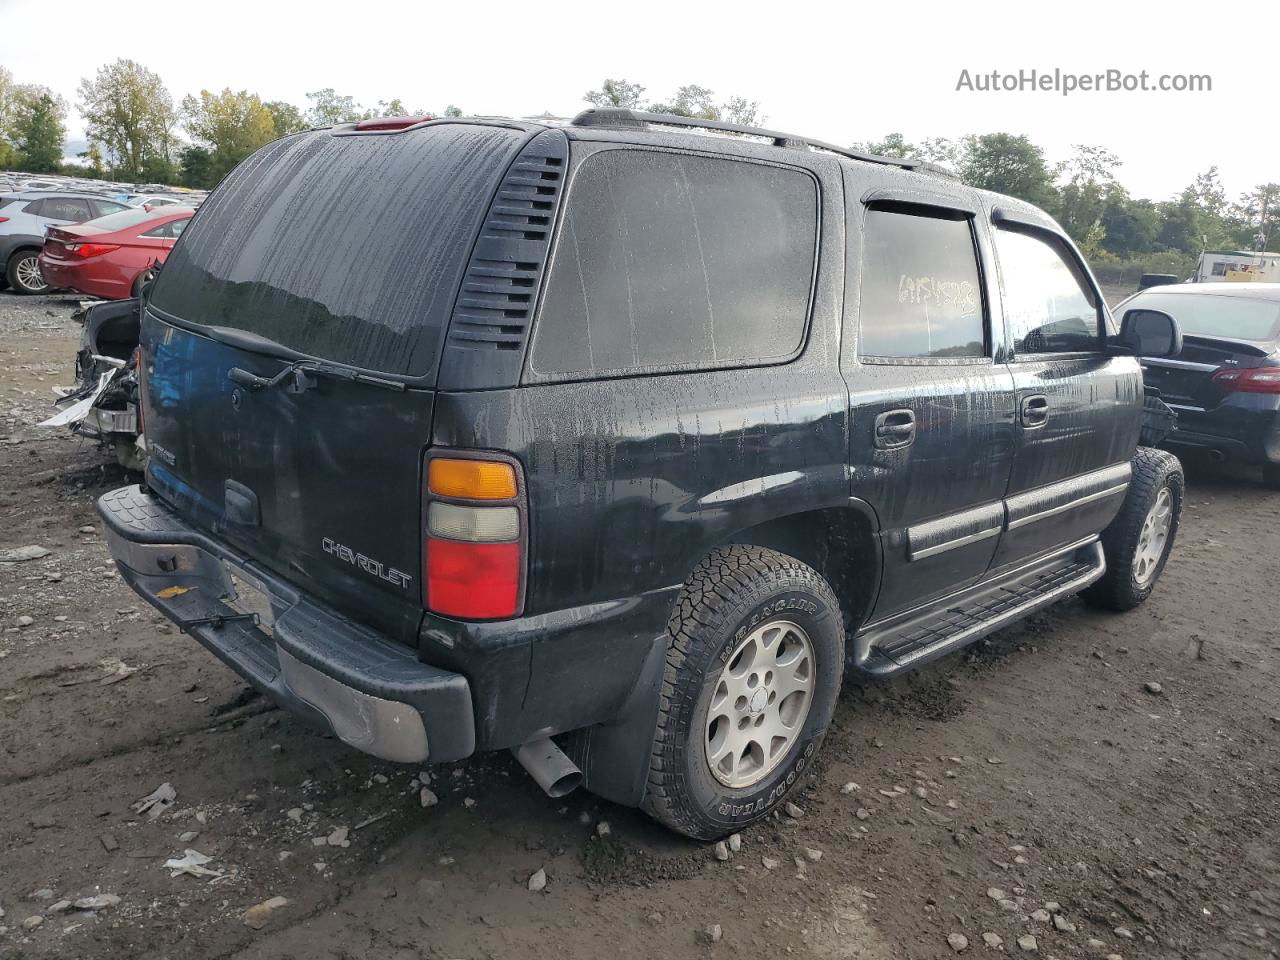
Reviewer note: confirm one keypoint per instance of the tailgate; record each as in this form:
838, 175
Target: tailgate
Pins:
320, 486
325, 257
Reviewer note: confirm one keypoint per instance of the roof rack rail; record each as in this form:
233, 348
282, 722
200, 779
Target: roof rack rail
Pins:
623, 117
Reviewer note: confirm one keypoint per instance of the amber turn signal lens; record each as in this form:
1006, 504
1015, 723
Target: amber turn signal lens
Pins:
471, 479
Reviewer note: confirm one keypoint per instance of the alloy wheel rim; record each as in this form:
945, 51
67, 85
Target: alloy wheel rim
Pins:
759, 703
1153, 538
29, 274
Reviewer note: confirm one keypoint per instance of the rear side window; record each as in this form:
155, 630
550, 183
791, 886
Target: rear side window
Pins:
675, 261
921, 292
103, 207
347, 248
64, 208
1048, 302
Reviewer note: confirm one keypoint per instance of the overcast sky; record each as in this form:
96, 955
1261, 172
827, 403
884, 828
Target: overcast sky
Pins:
841, 73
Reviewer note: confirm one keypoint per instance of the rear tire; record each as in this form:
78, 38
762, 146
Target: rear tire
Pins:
753, 671
1271, 475
23, 273
1139, 540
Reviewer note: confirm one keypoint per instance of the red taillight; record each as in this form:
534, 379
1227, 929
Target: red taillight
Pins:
1250, 380
392, 123
86, 250
473, 538
476, 581
4, 219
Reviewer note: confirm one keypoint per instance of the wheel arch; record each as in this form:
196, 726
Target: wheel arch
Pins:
842, 543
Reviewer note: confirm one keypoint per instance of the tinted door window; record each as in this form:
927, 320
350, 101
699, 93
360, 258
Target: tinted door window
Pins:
921, 292
673, 261
1049, 304
160, 231
64, 208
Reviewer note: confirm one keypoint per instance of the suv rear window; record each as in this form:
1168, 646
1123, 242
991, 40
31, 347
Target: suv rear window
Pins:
348, 248
677, 261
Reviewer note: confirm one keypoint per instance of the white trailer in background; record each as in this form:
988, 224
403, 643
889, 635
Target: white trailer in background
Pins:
1239, 266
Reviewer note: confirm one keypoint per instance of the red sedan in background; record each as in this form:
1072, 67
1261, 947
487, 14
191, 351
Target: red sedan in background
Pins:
112, 256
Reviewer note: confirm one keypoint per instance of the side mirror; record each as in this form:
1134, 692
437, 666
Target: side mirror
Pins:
1150, 333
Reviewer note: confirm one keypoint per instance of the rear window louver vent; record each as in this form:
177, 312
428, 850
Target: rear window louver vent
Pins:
499, 291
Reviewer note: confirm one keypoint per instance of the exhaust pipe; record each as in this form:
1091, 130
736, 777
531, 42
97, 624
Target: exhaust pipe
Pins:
554, 772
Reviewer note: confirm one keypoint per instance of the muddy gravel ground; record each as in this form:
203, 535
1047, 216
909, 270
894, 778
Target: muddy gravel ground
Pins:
1104, 784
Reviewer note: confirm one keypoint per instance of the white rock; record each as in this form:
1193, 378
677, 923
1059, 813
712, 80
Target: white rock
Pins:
1028, 943
24, 621
1063, 924
958, 942
713, 933
812, 855
603, 829
792, 811
1040, 916
769, 863
468, 802
849, 788
721, 851
295, 814
735, 842
1123, 932
99, 902
32, 922
995, 893
862, 813
338, 838
538, 882
189, 836
427, 797
992, 940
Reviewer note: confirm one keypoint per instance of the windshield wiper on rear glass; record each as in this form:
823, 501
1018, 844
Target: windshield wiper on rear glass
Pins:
297, 373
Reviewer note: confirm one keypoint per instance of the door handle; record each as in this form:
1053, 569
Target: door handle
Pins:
895, 428
1035, 410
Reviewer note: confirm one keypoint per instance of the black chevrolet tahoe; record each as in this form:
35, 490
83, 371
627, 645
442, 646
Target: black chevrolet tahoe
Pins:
621, 443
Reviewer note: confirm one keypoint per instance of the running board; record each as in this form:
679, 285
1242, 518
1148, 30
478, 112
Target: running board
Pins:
908, 641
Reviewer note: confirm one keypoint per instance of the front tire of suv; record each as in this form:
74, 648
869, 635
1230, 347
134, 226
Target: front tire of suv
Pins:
1139, 540
753, 671
23, 272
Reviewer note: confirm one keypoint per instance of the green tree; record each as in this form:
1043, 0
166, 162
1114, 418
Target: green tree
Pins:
616, 93
129, 112
8, 90
893, 145
329, 108
285, 117
1180, 227
232, 125
1259, 215
1131, 226
1007, 163
38, 129
690, 100
452, 111
198, 169
1082, 199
